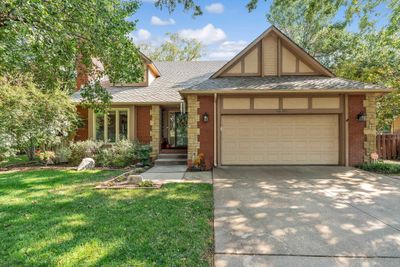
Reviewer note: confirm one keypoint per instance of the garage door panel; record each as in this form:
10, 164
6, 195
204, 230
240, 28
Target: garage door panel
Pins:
280, 139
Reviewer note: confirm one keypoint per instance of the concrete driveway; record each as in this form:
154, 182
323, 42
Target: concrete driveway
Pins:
305, 216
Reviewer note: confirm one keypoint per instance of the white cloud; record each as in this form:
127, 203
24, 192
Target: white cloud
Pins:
159, 22
142, 35
226, 50
207, 35
216, 8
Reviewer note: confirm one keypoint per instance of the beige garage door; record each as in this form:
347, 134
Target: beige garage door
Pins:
279, 139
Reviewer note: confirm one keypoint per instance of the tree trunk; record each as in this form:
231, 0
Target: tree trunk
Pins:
30, 151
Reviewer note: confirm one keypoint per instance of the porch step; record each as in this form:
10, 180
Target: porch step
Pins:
172, 156
173, 151
170, 161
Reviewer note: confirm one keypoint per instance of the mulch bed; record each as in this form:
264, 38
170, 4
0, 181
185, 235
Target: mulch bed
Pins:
128, 186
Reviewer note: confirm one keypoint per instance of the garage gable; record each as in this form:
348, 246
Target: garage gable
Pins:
272, 54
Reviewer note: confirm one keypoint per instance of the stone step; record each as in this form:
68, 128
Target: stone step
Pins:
173, 151
172, 156
166, 162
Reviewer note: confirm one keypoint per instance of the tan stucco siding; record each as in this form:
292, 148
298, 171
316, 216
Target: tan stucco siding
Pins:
270, 55
251, 62
288, 61
303, 68
236, 69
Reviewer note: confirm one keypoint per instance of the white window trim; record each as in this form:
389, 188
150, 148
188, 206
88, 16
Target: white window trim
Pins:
105, 137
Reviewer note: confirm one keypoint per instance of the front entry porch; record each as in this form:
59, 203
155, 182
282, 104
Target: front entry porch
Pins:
172, 147
173, 130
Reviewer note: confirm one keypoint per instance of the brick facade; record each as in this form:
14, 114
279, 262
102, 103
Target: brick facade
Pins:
193, 128
356, 129
82, 133
155, 130
206, 137
143, 124
370, 126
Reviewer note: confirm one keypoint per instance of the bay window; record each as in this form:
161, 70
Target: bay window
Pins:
112, 126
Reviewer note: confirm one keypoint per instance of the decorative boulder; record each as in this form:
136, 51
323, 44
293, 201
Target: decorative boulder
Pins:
86, 164
134, 179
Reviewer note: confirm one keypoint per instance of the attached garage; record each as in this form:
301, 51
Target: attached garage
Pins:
279, 139
274, 104
279, 130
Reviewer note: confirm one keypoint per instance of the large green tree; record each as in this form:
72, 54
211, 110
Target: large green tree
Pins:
175, 48
365, 10
31, 118
47, 40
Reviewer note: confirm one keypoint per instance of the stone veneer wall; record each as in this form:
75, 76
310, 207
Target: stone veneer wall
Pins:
370, 126
155, 125
193, 105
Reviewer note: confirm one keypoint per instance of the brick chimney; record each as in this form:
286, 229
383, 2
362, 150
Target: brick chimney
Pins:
82, 75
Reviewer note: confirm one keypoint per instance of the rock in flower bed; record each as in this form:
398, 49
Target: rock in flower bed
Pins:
129, 180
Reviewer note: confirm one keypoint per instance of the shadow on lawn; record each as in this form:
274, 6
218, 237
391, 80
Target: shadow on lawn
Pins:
55, 217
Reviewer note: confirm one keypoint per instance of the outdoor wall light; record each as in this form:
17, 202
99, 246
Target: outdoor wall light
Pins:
205, 117
361, 116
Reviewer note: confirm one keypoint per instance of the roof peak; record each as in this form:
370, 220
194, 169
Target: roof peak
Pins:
283, 42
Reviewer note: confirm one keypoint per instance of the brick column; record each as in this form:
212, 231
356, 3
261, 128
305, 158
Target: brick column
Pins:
155, 130
193, 130
370, 126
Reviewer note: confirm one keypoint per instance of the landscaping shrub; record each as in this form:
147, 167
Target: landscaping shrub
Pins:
142, 153
83, 149
120, 154
46, 157
381, 167
63, 153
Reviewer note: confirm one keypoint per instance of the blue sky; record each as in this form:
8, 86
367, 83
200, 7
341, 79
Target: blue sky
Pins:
225, 27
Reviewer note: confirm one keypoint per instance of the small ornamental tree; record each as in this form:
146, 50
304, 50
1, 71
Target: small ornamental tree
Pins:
31, 118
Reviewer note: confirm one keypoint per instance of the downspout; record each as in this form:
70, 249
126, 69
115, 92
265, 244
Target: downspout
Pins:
215, 130
346, 128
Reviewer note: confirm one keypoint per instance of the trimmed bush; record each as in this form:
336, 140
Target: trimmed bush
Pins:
142, 153
83, 149
120, 154
381, 167
63, 153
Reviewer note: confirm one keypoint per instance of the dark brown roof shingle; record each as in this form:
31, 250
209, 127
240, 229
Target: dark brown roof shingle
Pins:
282, 83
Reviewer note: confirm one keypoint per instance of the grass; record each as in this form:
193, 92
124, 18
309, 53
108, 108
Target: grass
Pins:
20, 159
381, 167
56, 218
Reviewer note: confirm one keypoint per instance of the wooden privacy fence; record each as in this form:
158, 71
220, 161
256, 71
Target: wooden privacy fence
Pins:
388, 146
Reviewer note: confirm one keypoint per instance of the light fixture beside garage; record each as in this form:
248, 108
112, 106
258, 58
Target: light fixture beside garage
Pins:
361, 116
205, 117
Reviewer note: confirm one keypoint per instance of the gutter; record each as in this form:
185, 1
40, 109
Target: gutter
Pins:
286, 91
215, 130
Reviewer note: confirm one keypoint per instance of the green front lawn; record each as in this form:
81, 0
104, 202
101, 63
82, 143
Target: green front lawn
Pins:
14, 161
56, 218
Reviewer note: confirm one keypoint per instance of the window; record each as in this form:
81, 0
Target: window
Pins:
113, 126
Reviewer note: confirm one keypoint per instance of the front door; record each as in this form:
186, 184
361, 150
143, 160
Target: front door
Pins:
177, 129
